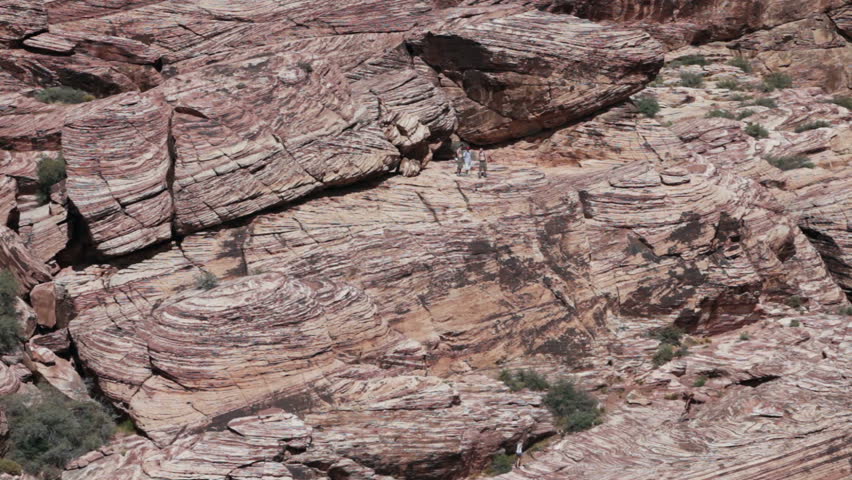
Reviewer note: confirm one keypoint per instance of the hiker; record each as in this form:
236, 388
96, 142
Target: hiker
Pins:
519, 451
483, 163
459, 160
468, 160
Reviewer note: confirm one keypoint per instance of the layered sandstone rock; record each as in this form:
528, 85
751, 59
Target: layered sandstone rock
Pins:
511, 83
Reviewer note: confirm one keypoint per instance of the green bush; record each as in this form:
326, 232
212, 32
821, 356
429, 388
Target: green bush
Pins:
756, 130
795, 323
50, 171
717, 113
691, 80
664, 354
700, 381
500, 464
67, 95
689, 60
845, 102
795, 301
10, 330
682, 351
669, 334
10, 467
741, 63
765, 102
739, 97
574, 409
206, 280
812, 126
729, 84
745, 114
744, 337
53, 430
648, 106
776, 80
789, 162
522, 379
845, 311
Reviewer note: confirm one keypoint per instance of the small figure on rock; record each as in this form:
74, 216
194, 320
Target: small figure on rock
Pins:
483, 163
519, 451
460, 159
468, 160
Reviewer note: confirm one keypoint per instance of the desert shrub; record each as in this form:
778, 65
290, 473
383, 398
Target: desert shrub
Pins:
795, 323
10, 467
700, 381
756, 130
672, 396
691, 80
63, 94
648, 106
53, 430
682, 351
689, 60
739, 97
744, 337
765, 102
574, 409
206, 280
745, 114
500, 464
729, 84
10, 330
522, 379
126, 427
777, 80
845, 311
845, 102
50, 171
812, 126
664, 354
669, 334
741, 63
717, 113
795, 301
789, 162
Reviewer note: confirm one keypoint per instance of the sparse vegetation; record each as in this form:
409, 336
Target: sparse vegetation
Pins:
745, 114
845, 311
664, 355
10, 331
206, 280
812, 126
776, 81
306, 66
48, 432
689, 60
729, 84
845, 102
756, 130
669, 334
739, 97
717, 113
50, 171
789, 162
66, 95
700, 381
574, 409
500, 464
765, 102
741, 63
648, 106
795, 323
10, 467
795, 301
672, 396
744, 337
522, 379
691, 80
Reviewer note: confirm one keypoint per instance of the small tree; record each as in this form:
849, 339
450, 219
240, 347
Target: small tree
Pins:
648, 106
49, 171
574, 409
756, 130
669, 334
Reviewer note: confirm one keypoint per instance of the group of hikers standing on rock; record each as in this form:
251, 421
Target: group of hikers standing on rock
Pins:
465, 158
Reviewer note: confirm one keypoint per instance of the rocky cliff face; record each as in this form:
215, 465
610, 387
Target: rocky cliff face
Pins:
259, 256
